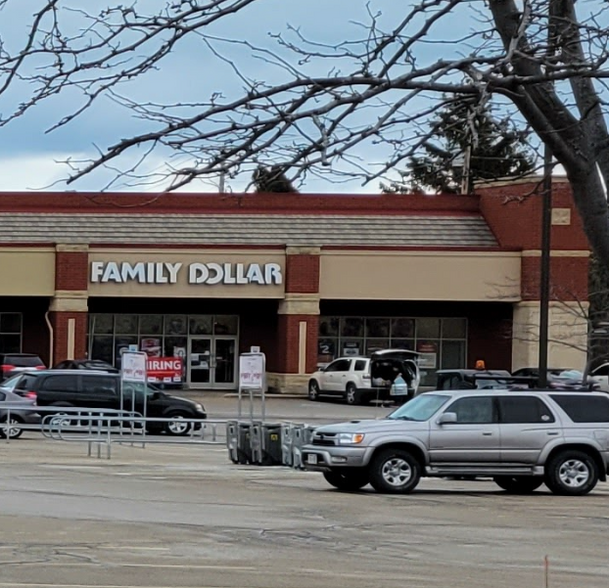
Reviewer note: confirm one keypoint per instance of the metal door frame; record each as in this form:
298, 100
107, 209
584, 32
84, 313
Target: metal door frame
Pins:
212, 385
189, 382
226, 385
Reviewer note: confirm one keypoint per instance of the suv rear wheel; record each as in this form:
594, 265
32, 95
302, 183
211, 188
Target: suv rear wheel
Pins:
518, 484
394, 471
571, 473
349, 480
352, 394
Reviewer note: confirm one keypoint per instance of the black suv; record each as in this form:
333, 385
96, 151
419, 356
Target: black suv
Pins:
13, 363
100, 390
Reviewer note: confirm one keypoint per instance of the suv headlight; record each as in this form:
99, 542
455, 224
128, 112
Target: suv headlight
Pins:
199, 407
350, 438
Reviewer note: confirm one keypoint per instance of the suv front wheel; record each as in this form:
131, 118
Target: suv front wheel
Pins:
394, 471
313, 390
571, 473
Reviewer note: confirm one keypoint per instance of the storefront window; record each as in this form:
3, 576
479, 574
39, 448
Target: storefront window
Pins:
102, 324
328, 327
10, 332
151, 324
453, 354
200, 325
402, 328
126, 324
175, 324
428, 328
352, 327
175, 347
326, 350
402, 344
10, 322
226, 325
441, 342
102, 348
377, 327
454, 328
10, 343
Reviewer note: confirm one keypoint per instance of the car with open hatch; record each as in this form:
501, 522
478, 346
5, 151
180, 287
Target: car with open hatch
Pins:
360, 380
519, 438
102, 390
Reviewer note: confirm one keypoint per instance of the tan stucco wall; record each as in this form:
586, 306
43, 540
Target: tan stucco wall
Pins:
566, 335
27, 272
426, 275
182, 289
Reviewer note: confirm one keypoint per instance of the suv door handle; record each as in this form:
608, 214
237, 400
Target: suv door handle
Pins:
552, 433
487, 433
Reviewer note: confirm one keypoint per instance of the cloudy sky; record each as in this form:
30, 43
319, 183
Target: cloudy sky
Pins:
31, 157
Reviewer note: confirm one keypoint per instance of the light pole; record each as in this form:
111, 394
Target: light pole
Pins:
544, 287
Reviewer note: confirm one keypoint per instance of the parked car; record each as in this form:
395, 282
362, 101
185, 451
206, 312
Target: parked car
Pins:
533, 372
101, 390
12, 363
522, 439
600, 375
86, 364
459, 379
12, 418
359, 380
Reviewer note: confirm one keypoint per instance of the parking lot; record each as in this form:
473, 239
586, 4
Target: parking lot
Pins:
174, 516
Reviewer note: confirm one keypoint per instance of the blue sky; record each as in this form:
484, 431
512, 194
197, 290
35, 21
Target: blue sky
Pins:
30, 156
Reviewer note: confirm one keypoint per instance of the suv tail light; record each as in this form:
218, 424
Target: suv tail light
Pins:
31, 395
7, 368
40, 367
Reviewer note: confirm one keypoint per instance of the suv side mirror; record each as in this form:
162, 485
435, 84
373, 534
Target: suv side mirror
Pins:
447, 418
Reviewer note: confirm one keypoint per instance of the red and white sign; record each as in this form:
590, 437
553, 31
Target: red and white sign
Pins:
167, 370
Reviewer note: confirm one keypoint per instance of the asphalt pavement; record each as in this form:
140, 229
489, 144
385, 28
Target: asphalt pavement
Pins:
184, 516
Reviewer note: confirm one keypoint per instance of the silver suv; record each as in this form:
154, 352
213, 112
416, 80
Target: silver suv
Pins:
522, 439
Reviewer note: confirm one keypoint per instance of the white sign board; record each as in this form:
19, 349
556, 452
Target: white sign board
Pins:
133, 366
251, 370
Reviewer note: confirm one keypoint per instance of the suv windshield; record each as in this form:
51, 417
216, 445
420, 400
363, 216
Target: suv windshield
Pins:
420, 408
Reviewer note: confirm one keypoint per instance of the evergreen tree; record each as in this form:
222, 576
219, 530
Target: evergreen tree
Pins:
465, 129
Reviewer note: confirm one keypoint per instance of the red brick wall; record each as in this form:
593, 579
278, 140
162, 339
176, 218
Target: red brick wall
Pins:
288, 338
568, 278
513, 213
125, 203
302, 274
71, 270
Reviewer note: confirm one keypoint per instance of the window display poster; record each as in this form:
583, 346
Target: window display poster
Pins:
351, 349
152, 346
428, 355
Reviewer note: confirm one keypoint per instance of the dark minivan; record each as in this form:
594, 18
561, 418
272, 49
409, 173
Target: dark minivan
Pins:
100, 390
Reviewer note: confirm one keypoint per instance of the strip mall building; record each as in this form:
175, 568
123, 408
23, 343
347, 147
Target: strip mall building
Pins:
307, 278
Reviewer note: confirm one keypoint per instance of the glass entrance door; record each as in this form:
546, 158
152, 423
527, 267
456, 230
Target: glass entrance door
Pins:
212, 362
224, 354
200, 362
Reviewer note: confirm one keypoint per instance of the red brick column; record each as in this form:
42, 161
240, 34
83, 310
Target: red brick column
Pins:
68, 309
298, 324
